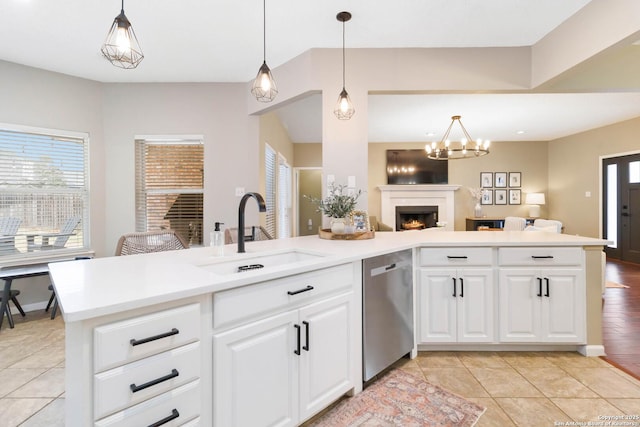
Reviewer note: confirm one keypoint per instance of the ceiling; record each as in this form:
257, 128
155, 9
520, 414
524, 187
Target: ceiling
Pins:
221, 41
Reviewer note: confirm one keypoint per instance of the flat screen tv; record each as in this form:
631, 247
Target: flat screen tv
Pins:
413, 167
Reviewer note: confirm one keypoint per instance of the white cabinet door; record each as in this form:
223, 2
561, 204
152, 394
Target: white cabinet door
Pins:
519, 306
437, 306
475, 319
255, 374
563, 306
325, 359
545, 305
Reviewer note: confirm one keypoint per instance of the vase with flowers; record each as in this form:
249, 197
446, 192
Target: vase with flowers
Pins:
337, 205
477, 194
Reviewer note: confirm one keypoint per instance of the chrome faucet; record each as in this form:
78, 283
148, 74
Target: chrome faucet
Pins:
262, 207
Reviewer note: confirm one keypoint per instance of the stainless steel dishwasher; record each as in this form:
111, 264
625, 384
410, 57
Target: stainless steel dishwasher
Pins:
387, 310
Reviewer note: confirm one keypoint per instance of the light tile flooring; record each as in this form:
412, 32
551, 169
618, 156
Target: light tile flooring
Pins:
518, 389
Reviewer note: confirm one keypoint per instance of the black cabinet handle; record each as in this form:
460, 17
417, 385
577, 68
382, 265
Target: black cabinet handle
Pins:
136, 388
306, 335
134, 342
390, 267
297, 350
539, 287
546, 279
174, 414
461, 287
299, 291
456, 257
542, 256
454, 286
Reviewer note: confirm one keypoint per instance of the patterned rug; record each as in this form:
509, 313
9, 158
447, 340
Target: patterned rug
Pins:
400, 399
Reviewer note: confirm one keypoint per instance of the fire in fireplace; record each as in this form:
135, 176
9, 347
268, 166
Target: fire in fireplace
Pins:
416, 217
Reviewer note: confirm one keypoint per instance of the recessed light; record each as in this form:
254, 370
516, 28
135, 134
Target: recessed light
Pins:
520, 132
430, 134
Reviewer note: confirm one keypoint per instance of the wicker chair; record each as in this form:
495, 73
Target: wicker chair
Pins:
151, 241
251, 233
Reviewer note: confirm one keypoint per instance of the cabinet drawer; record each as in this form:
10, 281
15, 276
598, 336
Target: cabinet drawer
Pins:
113, 344
113, 389
185, 400
540, 256
254, 300
451, 257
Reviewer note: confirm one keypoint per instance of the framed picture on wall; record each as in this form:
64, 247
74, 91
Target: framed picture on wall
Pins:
514, 197
514, 179
486, 179
501, 180
487, 197
501, 197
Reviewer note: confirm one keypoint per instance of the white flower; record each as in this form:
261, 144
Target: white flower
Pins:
477, 193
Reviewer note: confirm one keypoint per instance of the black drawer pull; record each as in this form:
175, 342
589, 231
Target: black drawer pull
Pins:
542, 256
136, 388
546, 280
456, 257
299, 291
174, 414
454, 286
461, 287
297, 350
539, 294
306, 335
135, 342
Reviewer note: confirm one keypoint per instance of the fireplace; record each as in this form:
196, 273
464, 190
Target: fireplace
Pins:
418, 195
416, 217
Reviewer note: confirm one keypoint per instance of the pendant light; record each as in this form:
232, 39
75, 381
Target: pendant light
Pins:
121, 46
264, 87
344, 109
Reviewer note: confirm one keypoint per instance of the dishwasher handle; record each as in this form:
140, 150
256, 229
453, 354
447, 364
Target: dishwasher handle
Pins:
388, 268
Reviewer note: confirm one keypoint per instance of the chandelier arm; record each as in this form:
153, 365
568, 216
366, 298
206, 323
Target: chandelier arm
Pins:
466, 134
446, 134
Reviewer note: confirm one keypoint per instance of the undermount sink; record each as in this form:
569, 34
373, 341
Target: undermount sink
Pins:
259, 262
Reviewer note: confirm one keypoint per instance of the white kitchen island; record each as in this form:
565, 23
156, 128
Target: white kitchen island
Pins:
180, 338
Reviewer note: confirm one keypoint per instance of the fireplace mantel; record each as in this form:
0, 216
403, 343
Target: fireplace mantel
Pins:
440, 195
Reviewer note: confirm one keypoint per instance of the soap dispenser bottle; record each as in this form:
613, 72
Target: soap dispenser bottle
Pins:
217, 240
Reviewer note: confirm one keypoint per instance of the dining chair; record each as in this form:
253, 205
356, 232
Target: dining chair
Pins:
14, 300
251, 233
514, 223
150, 241
548, 225
8, 228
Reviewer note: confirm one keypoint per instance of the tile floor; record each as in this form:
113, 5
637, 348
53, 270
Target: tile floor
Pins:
518, 389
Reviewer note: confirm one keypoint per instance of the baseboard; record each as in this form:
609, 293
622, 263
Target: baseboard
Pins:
592, 350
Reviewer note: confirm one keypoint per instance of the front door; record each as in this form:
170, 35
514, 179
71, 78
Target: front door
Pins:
621, 197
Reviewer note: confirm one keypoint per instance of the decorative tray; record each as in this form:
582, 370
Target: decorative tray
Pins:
325, 233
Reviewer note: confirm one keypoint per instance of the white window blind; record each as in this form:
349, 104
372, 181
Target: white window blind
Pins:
284, 198
169, 186
43, 187
270, 190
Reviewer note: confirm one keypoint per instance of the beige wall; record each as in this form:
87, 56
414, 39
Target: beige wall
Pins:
574, 169
310, 184
308, 155
528, 158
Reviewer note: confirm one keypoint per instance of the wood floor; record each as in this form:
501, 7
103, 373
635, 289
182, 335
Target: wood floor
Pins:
621, 317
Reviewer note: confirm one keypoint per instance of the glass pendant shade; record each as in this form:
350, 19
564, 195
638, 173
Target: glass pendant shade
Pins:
264, 87
344, 108
121, 46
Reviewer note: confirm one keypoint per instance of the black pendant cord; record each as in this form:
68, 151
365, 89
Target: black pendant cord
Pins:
264, 31
343, 57
122, 6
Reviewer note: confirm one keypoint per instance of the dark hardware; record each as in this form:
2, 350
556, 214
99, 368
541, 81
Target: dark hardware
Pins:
299, 291
174, 414
456, 257
306, 334
542, 256
134, 342
546, 280
262, 207
389, 267
297, 350
250, 267
454, 286
539, 287
136, 388
625, 214
461, 288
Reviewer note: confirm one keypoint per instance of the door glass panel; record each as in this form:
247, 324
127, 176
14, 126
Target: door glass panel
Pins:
612, 204
634, 172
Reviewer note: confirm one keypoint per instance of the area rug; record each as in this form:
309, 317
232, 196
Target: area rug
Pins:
611, 284
400, 399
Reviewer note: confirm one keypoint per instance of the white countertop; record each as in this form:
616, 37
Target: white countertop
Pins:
101, 286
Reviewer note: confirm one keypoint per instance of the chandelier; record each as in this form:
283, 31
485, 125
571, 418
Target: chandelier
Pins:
465, 148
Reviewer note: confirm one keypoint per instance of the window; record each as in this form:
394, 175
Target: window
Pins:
284, 198
169, 185
44, 191
270, 190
